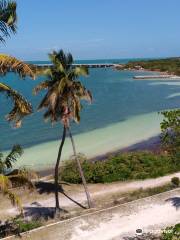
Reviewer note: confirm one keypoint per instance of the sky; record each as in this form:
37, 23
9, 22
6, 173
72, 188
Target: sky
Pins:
96, 29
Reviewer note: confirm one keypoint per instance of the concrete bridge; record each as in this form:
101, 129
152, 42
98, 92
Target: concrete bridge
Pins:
89, 65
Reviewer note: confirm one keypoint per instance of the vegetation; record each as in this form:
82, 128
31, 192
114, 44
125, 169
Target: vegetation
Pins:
169, 65
10, 178
175, 181
170, 136
25, 225
147, 192
63, 103
8, 21
171, 233
125, 166
17, 226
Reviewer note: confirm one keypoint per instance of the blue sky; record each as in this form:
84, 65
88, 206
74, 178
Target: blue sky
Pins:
96, 28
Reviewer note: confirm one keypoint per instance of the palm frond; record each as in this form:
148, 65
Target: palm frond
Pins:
15, 153
81, 91
42, 86
80, 71
15, 200
8, 18
21, 107
4, 183
12, 64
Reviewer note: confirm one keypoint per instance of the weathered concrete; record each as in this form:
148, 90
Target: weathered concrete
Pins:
149, 214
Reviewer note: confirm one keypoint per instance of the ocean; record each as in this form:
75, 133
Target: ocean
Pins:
124, 111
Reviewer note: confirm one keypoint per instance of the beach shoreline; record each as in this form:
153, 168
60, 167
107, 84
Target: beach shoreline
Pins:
151, 144
162, 75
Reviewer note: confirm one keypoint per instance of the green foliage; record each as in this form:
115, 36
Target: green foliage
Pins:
170, 136
24, 225
171, 233
17, 226
64, 91
7, 162
8, 18
169, 65
175, 181
14, 178
142, 193
21, 107
134, 165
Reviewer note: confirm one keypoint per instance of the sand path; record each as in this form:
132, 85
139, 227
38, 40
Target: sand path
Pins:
76, 192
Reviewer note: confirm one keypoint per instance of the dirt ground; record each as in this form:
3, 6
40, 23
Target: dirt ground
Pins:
40, 202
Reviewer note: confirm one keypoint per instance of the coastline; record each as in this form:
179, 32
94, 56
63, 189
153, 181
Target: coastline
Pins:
94, 143
151, 144
163, 75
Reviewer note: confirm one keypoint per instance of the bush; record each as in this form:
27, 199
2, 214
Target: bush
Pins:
24, 225
17, 226
170, 136
175, 181
126, 166
171, 233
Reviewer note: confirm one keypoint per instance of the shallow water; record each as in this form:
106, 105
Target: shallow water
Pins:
124, 111
95, 142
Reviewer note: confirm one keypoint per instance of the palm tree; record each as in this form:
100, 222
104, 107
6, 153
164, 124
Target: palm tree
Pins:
9, 177
8, 21
63, 104
21, 108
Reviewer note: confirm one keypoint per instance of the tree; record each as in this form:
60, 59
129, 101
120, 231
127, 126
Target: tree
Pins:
8, 21
63, 103
170, 136
8, 18
21, 108
9, 177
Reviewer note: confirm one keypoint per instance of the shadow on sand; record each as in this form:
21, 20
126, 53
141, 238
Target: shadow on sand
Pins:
175, 202
48, 187
36, 210
40, 212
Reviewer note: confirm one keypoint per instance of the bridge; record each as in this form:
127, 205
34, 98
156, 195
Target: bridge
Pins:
89, 65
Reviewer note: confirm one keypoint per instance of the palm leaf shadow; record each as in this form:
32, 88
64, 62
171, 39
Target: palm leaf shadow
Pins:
175, 201
48, 187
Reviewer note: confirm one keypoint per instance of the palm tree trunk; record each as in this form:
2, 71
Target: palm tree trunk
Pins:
56, 173
90, 203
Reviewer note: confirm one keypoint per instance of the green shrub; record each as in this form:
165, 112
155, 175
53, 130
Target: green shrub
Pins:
126, 166
24, 225
17, 226
170, 136
175, 181
171, 233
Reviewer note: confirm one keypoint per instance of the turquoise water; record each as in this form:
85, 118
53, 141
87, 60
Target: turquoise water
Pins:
123, 112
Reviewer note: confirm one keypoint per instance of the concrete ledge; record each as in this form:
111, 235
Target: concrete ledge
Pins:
113, 222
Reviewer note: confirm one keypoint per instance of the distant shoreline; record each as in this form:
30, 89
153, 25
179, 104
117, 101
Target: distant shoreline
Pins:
161, 75
168, 67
